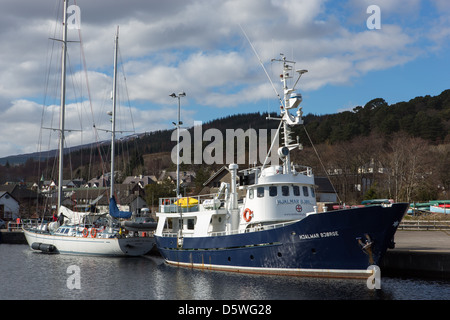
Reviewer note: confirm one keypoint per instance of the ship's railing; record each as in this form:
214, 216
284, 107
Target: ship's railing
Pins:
254, 229
299, 169
14, 226
307, 171
189, 204
239, 231
22, 223
424, 225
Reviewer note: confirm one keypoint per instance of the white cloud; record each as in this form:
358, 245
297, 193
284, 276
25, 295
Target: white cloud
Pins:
195, 46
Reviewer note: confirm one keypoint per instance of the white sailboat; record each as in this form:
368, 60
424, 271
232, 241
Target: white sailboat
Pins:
81, 232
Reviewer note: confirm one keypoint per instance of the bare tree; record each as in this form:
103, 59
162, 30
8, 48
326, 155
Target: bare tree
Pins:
409, 166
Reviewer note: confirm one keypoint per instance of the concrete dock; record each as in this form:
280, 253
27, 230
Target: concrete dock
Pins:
419, 253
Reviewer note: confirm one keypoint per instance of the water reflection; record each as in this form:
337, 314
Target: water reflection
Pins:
33, 275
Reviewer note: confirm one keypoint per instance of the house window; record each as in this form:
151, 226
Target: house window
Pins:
273, 191
260, 192
285, 191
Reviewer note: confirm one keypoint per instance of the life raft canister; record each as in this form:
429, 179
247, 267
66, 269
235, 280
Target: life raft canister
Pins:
247, 215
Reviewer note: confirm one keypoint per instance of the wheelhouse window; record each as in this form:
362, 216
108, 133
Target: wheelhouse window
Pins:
313, 193
251, 193
273, 191
305, 191
190, 224
285, 191
296, 190
260, 192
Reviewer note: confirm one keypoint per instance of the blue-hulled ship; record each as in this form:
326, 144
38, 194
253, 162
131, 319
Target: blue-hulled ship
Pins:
275, 227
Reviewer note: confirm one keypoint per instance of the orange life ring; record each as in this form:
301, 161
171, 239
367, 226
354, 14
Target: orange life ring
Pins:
85, 232
93, 233
247, 215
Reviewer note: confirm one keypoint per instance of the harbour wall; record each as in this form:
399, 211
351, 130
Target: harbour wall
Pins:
12, 237
419, 253
416, 264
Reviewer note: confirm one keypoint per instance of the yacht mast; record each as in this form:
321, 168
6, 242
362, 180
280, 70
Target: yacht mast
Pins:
113, 119
63, 107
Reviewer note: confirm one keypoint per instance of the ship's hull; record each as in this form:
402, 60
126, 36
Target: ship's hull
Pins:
133, 246
341, 243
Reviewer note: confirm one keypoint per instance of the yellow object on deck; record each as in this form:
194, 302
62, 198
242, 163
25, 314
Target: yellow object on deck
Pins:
186, 202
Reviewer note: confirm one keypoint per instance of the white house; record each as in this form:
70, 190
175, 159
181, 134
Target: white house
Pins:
9, 206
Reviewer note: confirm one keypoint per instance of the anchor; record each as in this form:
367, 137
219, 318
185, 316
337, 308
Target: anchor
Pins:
366, 246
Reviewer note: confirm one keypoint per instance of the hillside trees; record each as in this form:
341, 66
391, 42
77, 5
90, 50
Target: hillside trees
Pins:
410, 168
399, 151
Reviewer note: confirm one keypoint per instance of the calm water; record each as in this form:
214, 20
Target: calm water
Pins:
31, 275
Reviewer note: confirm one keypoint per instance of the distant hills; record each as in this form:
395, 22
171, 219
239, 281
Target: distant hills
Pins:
36, 156
425, 117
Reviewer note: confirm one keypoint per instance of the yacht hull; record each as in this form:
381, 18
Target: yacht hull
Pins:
342, 243
133, 246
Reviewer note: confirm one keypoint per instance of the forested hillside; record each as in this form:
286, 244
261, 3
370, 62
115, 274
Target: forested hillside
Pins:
398, 151
422, 117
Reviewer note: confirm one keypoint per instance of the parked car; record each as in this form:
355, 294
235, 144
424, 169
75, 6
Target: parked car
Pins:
2, 224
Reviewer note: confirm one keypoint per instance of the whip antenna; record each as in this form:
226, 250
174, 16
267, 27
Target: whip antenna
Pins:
262, 65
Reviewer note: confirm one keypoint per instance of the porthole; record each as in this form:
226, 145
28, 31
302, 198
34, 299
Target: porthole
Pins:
229, 259
313, 250
279, 254
252, 257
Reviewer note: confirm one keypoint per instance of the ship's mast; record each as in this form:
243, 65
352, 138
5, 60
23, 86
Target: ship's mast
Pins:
63, 107
291, 100
113, 114
286, 131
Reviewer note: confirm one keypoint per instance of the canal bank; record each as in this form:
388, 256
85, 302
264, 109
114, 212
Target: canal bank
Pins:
420, 254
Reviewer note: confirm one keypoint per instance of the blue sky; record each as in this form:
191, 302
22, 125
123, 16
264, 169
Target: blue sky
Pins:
197, 46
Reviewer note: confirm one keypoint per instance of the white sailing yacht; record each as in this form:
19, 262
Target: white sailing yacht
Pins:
81, 232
